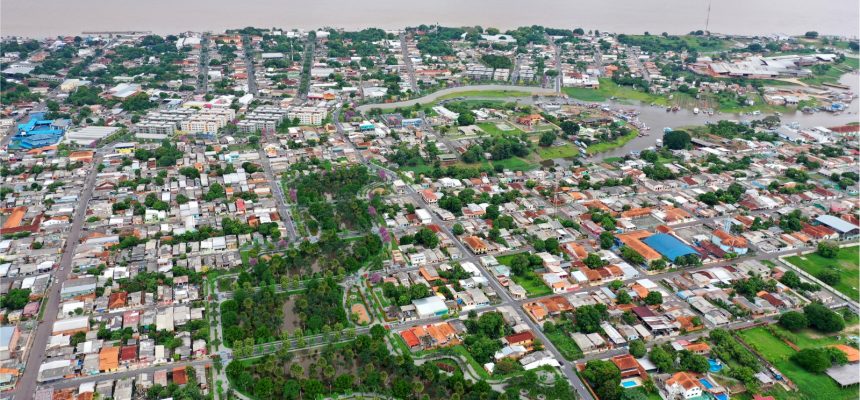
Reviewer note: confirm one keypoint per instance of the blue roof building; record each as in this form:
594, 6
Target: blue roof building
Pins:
668, 246
39, 132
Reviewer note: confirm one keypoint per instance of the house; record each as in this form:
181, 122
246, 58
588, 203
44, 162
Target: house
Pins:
524, 339
109, 359
628, 366
683, 385
476, 245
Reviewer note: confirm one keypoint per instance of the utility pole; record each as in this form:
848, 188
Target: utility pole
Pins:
708, 19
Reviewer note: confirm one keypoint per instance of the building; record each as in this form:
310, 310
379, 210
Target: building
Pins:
668, 246
845, 229
683, 385
9, 336
476, 244
432, 306
90, 135
308, 115
78, 287
39, 132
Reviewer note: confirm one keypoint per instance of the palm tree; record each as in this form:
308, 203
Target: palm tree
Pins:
417, 387
297, 371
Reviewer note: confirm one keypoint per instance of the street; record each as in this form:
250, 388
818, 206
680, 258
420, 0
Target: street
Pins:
27, 382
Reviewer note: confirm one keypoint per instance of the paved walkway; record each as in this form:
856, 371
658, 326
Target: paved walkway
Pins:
460, 89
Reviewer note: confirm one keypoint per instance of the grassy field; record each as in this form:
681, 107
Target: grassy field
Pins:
609, 89
533, 285
531, 282
834, 72
606, 146
846, 263
811, 386
487, 94
565, 345
564, 151
515, 164
492, 129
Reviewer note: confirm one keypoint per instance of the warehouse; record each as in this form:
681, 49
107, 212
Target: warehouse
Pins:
668, 246
432, 306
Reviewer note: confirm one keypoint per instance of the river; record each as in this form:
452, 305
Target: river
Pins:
42, 18
657, 118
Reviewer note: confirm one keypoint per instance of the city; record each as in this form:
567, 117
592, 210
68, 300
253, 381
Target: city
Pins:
432, 212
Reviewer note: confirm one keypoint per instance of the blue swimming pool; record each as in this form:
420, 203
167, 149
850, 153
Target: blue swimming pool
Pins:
629, 384
706, 384
716, 366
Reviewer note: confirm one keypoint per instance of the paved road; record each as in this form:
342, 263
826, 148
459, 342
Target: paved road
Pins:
249, 64
558, 77
567, 368
306, 72
27, 382
407, 60
203, 79
75, 382
278, 191
460, 89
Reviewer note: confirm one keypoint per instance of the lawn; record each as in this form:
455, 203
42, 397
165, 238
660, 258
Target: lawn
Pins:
487, 94
492, 128
515, 164
811, 386
846, 262
834, 72
609, 89
563, 151
565, 345
531, 282
606, 146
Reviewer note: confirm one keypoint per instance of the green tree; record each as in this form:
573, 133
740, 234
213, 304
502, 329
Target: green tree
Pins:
793, 321
654, 298
828, 249
676, 140
547, 139
16, 299
637, 348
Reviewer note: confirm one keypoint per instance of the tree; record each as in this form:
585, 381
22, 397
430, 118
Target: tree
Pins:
623, 297
607, 239
465, 118
813, 360
547, 139
605, 379
810, 35
676, 140
593, 261
377, 332
569, 127
16, 299
216, 191
823, 319
793, 321
658, 265
829, 276
458, 229
693, 362
654, 298
661, 359
828, 249
637, 348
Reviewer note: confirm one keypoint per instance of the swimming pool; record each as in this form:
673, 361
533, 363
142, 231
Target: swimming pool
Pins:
706, 384
631, 383
716, 366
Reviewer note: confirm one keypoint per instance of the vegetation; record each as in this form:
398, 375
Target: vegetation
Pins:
846, 264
